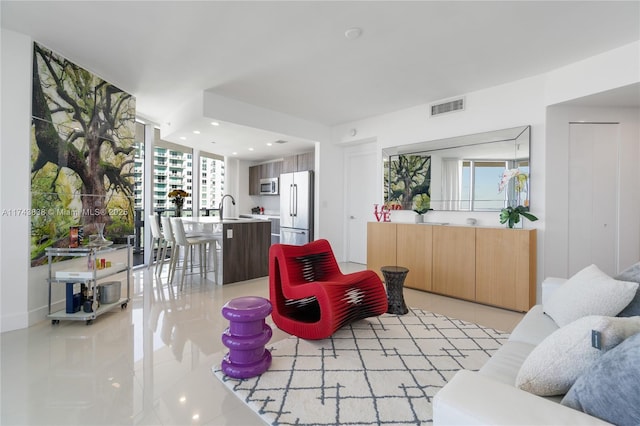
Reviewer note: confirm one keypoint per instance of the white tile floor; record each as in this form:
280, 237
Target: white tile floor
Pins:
150, 364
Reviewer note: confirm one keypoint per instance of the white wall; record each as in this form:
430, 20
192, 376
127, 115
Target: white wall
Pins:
15, 116
615, 68
556, 193
509, 105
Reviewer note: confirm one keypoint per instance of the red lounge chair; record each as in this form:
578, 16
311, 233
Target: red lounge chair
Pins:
311, 298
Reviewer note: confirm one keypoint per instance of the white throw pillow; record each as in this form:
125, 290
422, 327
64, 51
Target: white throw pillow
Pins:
556, 363
589, 292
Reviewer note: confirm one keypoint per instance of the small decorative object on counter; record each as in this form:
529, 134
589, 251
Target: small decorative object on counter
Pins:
76, 236
382, 214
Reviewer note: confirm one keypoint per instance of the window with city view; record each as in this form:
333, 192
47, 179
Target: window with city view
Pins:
174, 168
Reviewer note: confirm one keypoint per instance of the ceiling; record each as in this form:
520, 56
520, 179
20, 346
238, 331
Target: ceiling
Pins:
292, 57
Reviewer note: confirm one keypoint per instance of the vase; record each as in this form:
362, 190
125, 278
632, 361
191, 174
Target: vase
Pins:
419, 218
515, 225
99, 240
178, 211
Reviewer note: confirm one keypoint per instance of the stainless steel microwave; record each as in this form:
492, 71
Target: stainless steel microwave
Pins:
269, 186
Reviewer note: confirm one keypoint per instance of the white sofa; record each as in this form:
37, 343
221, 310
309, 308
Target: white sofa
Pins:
490, 397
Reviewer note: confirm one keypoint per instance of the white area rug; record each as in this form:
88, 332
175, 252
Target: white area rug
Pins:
377, 371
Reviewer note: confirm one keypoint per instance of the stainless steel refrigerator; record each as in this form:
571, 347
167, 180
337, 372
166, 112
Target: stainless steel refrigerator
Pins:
296, 208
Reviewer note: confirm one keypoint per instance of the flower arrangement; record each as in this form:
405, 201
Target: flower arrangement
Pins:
177, 197
511, 215
521, 184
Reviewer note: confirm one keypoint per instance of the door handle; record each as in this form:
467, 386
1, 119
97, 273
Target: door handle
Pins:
291, 200
295, 203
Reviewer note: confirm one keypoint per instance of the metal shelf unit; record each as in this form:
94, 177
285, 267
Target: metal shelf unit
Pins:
89, 277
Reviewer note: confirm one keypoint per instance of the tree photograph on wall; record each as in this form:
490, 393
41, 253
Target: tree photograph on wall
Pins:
82, 155
408, 181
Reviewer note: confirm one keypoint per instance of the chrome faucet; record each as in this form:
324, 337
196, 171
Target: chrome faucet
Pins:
221, 206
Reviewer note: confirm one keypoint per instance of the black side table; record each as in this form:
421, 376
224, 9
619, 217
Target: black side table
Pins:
394, 278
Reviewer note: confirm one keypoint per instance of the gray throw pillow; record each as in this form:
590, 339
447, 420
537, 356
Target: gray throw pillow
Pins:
631, 274
609, 389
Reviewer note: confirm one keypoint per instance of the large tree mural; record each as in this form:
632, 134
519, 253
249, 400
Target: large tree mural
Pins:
82, 153
408, 181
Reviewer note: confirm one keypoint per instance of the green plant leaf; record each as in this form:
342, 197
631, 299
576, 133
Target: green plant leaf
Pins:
529, 216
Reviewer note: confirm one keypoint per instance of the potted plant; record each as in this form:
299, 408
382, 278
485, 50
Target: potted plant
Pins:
511, 215
421, 205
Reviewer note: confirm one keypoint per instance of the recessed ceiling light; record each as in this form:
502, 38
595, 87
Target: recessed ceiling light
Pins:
250, 149
197, 132
184, 138
234, 153
215, 123
353, 33
269, 144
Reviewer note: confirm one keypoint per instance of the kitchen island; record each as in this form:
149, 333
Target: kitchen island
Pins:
245, 247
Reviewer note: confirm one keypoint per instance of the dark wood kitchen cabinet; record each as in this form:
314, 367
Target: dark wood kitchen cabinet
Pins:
271, 170
254, 180
262, 171
299, 162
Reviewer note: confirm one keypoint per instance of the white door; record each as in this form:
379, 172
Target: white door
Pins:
362, 172
593, 196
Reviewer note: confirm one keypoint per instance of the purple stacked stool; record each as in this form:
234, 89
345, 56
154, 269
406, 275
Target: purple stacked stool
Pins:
246, 336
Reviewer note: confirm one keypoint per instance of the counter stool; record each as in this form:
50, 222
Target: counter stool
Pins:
394, 279
246, 336
159, 242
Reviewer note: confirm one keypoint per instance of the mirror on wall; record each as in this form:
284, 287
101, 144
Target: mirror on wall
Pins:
479, 172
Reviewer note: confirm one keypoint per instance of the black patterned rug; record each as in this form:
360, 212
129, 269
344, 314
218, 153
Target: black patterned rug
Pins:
378, 371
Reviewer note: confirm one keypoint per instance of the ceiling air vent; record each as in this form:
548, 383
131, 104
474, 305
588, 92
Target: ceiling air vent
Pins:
446, 107
280, 141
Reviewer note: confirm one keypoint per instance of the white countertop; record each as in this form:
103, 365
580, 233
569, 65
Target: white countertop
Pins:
216, 220
266, 216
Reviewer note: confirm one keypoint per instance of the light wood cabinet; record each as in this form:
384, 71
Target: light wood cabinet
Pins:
505, 264
414, 251
454, 261
381, 245
494, 266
